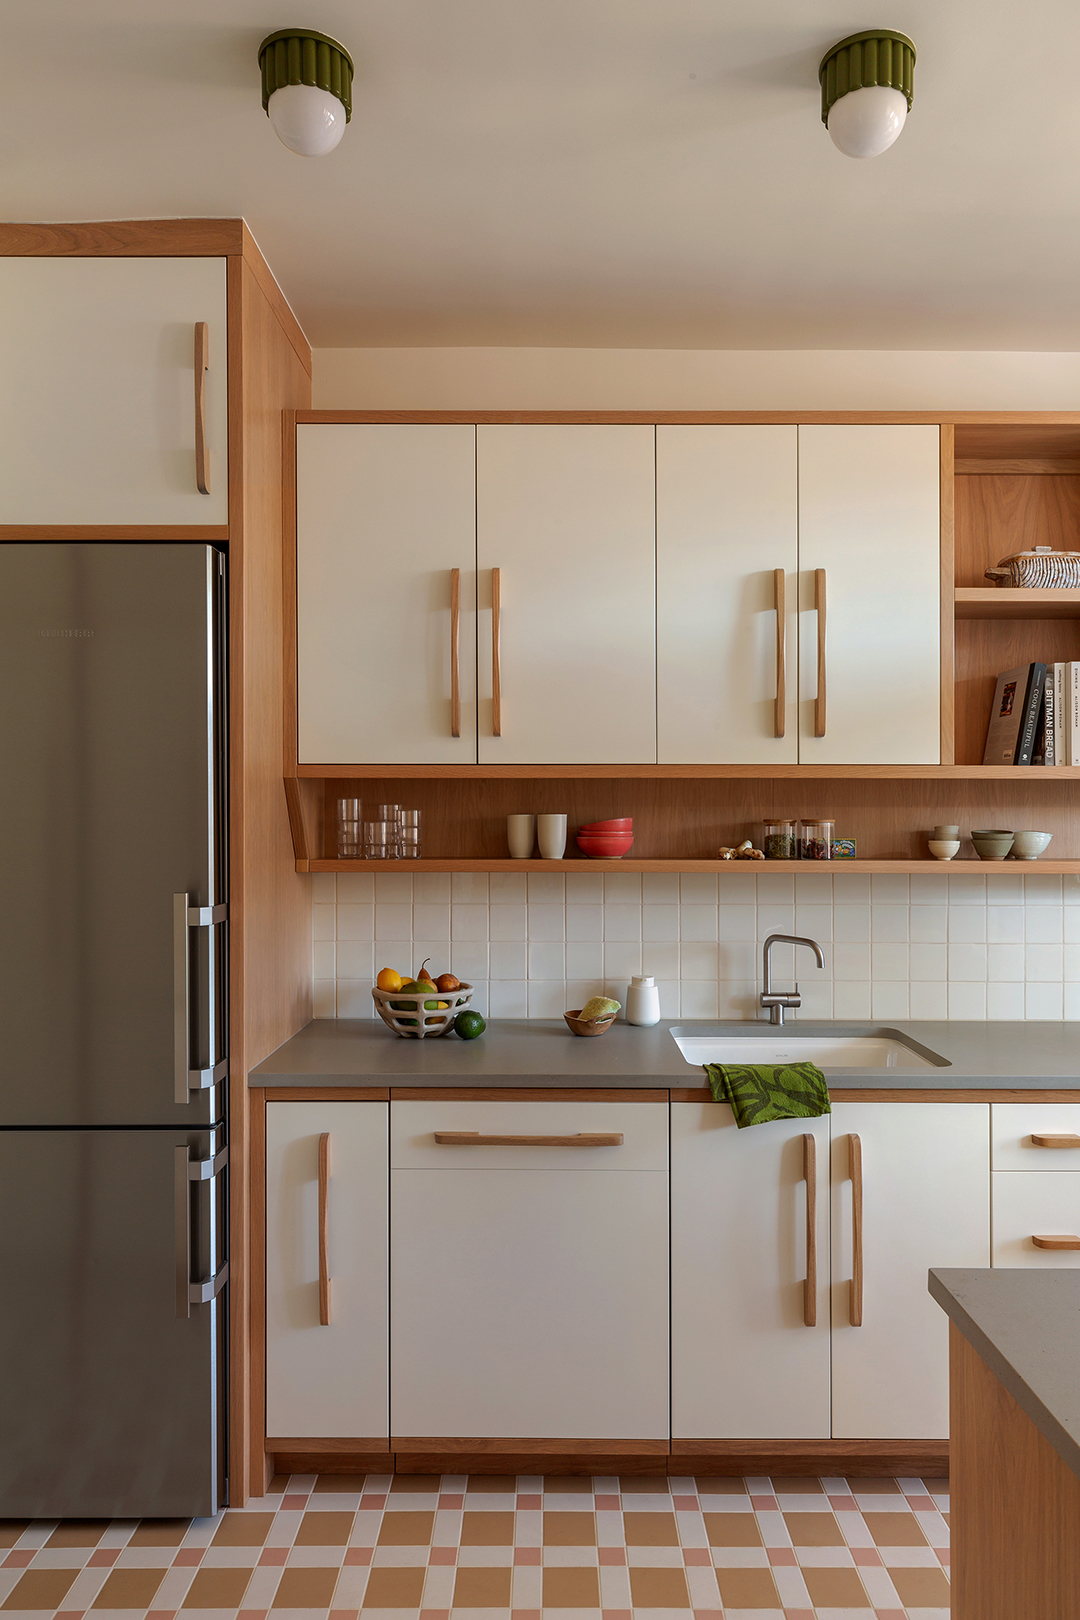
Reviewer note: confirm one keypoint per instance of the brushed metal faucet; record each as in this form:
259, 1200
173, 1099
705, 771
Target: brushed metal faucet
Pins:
777, 1000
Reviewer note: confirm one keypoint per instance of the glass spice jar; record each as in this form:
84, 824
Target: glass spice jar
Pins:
779, 841
816, 840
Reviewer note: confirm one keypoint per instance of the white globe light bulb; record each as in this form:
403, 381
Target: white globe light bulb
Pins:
865, 122
309, 120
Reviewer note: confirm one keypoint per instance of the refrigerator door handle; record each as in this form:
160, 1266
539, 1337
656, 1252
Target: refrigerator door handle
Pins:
207, 1169
185, 917
185, 1171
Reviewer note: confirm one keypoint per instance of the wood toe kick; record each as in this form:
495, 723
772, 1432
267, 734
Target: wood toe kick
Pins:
409, 1454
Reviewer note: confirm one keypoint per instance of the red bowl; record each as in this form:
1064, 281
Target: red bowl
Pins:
620, 824
605, 847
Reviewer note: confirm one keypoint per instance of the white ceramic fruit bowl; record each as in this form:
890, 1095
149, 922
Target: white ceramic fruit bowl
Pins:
404, 1011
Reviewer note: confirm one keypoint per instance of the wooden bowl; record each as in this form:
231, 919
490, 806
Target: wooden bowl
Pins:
587, 1026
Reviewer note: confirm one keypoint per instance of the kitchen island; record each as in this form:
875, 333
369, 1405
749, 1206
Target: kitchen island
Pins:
1014, 1376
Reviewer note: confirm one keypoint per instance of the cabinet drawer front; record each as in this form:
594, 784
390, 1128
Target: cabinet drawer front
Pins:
1014, 1126
1033, 1204
642, 1126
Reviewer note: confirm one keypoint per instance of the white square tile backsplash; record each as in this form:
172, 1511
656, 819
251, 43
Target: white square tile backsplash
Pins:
933, 945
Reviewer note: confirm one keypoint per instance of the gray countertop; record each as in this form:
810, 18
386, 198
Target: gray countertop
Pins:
1026, 1327
542, 1052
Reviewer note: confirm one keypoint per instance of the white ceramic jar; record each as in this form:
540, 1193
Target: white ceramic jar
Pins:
643, 1001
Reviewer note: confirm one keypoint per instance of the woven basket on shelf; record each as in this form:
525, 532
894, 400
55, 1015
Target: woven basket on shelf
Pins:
404, 1012
1040, 569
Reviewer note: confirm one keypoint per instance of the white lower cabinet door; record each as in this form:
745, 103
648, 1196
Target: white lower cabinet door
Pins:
924, 1172
1036, 1217
326, 1379
529, 1282
749, 1338
727, 558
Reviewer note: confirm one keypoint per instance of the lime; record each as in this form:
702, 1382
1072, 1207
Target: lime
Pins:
469, 1025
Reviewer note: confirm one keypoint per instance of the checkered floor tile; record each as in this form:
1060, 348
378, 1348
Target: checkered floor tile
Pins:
486, 1547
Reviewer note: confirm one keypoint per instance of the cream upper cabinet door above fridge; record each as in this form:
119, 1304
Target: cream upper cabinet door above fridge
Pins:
97, 405
567, 594
727, 539
870, 620
385, 514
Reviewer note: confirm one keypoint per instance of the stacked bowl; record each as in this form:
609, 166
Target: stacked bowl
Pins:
606, 840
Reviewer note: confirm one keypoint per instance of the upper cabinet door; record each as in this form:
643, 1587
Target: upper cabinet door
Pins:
97, 408
566, 540
869, 556
384, 516
727, 537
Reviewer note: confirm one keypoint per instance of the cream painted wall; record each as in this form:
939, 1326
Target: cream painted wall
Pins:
693, 379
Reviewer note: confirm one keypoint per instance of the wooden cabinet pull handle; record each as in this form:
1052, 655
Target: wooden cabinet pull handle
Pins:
324, 1229
819, 603
455, 652
202, 362
496, 652
587, 1139
1056, 1139
779, 597
1056, 1240
855, 1170
809, 1146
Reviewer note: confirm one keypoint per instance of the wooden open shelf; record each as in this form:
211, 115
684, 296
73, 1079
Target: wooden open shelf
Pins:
999, 603
692, 773
676, 865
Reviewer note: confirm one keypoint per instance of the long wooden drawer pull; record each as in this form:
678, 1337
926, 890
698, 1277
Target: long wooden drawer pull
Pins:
820, 712
455, 652
324, 1229
589, 1139
1056, 1240
810, 1177
202, 362
1056, 1139
855, 1167
780, 595
496, 652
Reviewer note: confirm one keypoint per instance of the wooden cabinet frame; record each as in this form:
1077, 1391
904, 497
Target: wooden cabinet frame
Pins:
994, 465
269, 369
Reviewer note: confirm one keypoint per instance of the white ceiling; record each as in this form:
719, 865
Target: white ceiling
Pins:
628, 173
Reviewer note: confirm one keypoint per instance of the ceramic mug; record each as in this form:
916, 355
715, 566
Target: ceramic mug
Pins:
551, 836
521, 835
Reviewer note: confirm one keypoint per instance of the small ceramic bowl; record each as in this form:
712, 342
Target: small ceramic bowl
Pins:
587, 1026
619, 824
1028, 846
943, 849
992, 843
605, 846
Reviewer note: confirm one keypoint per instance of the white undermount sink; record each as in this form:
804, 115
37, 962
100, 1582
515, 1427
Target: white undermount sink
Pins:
827, 1051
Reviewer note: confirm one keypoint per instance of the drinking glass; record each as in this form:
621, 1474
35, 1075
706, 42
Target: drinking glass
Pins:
410, 834
380, 840
349, 829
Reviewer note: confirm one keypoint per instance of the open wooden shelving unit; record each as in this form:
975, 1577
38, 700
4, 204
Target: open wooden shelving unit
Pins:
1009, 482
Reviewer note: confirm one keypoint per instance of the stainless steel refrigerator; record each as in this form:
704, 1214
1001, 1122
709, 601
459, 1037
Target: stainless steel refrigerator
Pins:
113, 1030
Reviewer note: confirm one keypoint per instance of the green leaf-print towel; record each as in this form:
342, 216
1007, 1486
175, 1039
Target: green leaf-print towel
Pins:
759, 1092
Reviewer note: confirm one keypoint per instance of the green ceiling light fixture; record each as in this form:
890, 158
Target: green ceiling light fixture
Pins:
306, 89
866, 90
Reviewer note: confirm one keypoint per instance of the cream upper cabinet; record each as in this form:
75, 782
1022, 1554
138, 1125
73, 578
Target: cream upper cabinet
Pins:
567, 646
326, 1312
385, 514
749, 1330
727, 557
529, 1279
924, 1174
870, 595
97, 406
